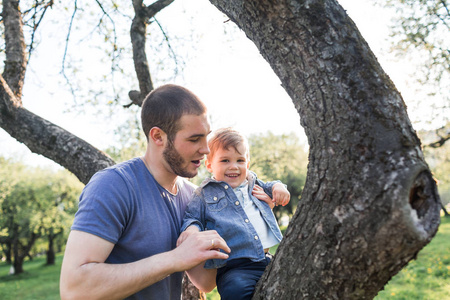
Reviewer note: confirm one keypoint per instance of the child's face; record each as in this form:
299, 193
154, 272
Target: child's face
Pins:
229, 165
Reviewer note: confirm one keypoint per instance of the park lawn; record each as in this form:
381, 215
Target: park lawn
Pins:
37, 282
428, 277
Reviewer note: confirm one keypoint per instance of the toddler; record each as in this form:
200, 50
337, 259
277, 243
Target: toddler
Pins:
226, 203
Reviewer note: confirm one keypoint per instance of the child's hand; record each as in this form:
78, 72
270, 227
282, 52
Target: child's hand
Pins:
183, 236
259, 193
281, 195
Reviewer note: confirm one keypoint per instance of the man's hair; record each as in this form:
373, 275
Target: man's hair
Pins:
226, 138
164, 107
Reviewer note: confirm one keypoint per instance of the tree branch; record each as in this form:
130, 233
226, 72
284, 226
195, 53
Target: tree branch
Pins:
114, 31
166, 38
49, 140
138, 33
63, 72
15, 62
440, 142
36, 24
151, 10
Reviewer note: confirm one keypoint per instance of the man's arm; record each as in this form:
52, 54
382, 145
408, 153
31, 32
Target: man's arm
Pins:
85, 275
203, 279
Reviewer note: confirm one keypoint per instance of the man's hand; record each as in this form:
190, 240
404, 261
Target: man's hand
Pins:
194, 247
281, 195
186, 233
206, 244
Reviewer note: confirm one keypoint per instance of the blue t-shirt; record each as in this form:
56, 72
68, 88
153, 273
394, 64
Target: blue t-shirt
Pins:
125, 205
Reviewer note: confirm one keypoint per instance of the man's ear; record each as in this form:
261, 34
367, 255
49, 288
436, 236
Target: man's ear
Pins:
157, 136
208, 165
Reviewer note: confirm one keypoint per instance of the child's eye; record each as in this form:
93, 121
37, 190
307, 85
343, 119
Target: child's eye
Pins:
224, 160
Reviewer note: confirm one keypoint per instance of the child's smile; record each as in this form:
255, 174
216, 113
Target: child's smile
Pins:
230, 165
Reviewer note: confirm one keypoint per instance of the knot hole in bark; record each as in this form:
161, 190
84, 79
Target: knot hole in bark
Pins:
423, 194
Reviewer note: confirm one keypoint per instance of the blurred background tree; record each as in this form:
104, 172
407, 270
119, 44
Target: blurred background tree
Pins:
280, 157
36, 207
439, 160
420, 33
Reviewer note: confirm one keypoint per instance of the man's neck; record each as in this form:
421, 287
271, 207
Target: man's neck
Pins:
165, 178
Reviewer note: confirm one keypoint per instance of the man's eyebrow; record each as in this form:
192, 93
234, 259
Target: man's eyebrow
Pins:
198, 135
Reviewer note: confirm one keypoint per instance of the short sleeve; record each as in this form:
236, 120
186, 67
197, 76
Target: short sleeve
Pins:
104, 206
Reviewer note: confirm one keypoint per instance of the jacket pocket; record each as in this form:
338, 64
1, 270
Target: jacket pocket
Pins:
216, 202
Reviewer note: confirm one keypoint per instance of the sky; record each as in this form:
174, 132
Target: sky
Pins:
224, 69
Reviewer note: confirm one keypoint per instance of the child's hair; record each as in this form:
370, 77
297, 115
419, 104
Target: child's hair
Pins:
226, 138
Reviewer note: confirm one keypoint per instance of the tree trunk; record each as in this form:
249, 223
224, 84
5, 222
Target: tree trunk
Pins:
51, 250
189, 291
21, 251
15, 64
445, 210
18, 265
18, 257
8, 253
369, 203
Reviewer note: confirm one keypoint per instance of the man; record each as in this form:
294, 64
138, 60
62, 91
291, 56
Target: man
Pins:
123, 240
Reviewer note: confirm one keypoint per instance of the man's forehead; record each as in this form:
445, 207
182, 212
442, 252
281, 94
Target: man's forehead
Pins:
195, 125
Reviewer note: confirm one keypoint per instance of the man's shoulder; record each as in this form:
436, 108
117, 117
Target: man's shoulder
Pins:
127, 166
126, 172
185, 186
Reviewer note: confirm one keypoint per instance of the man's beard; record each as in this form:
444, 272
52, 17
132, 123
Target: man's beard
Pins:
175, 161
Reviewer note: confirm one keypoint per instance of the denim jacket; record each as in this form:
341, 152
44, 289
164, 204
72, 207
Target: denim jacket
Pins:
215, 206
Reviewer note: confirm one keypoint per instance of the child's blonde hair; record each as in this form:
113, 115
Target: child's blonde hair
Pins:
226, 138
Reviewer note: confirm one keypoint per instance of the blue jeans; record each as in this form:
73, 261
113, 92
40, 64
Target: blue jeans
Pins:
237, 280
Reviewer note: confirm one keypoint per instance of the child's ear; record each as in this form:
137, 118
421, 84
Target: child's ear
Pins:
208, 165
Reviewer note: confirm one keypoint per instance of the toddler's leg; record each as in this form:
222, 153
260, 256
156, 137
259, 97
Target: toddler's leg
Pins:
238, 281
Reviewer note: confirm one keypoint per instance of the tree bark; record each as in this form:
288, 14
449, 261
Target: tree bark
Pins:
445, 210
7, 251
51, 249
189, 291
15, 63
21, 251
369, 203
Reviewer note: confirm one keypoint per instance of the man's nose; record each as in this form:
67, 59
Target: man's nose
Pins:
204, 149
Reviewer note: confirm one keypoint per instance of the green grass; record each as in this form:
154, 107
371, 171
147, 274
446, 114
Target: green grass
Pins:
428, 277
37, 282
